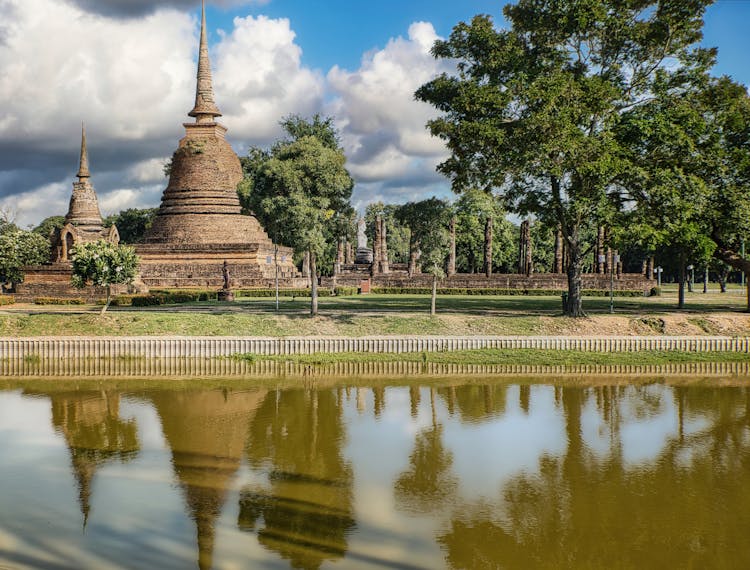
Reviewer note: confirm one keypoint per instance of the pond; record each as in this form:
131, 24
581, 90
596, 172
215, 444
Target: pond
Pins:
457, 473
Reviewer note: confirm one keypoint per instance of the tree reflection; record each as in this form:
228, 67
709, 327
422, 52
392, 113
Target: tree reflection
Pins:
428, 484
95, 435
306, 508
475, 403
688, 507
207, 433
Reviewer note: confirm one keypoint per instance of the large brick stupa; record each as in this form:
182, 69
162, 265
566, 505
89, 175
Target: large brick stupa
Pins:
199, 224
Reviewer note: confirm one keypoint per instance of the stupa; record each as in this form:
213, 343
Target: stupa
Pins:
199, 224
83, 224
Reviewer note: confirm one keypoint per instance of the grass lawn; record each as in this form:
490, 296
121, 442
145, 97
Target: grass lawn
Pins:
712, 313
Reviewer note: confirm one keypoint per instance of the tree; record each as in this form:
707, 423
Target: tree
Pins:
428, 223
398, 234
103, 264
308, 159
297, 192
473, 207
48, 225
690, 169
19, 248
531, 110
132, 223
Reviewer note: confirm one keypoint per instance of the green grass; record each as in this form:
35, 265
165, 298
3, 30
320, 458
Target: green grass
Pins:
528, 357
371, 315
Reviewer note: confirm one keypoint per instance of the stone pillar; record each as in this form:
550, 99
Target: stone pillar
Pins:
377, 247
525, 263
349, 253
306, 265
610, 257
650, 267
452, 252
339, 256
384, 265
618, 265
600, 250
488, 247
558, 252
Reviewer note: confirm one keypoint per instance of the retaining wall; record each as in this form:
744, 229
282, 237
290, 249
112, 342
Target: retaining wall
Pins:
209, 347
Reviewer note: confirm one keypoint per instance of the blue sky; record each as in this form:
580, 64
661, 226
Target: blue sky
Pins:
345, 29
127, 68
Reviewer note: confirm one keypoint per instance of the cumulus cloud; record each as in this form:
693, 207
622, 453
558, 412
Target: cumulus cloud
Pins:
136, 8
383, 127
259, 78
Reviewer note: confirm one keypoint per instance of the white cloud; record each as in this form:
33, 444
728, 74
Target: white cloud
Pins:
33, 206
150, 170
259, 79
383, 125
133, 82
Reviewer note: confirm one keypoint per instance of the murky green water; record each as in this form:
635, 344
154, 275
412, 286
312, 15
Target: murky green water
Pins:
467, 475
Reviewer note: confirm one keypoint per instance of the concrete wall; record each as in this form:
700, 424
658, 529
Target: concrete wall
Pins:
208, 347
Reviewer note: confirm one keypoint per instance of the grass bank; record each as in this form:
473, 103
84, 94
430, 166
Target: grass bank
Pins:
381, 315
509, 357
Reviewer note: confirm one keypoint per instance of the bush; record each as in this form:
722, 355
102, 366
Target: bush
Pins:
6, 300
499, 291
655, 292
58, 301
345, 291
146, 300
322, 292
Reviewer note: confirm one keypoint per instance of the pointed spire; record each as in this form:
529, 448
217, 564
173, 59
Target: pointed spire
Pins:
83, 170
205, 109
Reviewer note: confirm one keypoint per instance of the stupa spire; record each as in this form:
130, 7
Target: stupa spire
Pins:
83, 169
205, 109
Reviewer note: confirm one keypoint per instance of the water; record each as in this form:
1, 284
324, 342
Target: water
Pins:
465, 474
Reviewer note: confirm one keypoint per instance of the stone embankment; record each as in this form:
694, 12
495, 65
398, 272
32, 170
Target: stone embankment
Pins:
210, 347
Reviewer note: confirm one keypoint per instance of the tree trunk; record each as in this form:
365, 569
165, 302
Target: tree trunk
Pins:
434, 294
723, 274
313, 284
681, 281
109, 298
574, 305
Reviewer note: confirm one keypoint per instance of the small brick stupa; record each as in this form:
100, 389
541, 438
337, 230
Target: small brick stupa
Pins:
199, 224
83, 224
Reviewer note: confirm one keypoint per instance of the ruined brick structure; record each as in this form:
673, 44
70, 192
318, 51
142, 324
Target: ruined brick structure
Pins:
199, 224
83, 224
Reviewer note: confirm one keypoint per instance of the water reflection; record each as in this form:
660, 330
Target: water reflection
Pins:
306, 502
94, 434
207, 433
461, 476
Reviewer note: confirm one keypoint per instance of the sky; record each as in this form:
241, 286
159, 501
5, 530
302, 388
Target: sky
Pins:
127, 68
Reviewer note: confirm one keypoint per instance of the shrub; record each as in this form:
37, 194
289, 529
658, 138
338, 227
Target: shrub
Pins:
345, 291
58, 301
499, 291
6, 300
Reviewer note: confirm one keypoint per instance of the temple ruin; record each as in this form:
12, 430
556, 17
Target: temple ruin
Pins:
83, 224
199, 224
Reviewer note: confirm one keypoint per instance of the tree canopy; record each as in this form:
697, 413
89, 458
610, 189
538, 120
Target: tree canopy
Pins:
299, 189
531, 110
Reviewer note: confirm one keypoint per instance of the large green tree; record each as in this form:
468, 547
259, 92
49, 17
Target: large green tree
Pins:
300, 189
690, 172
531, 110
